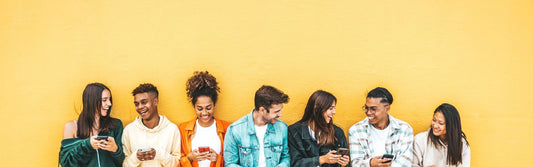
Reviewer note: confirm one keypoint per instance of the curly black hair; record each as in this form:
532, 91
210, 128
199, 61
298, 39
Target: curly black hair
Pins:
202, 84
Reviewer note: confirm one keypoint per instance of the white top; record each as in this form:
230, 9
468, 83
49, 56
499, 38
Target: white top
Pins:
260, 132
206, 136
379, 138
426, 154
312, 133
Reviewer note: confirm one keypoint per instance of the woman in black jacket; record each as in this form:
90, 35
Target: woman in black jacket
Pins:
314, 140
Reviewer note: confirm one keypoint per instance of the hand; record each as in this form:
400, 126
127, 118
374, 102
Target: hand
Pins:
94, 142
331, 157
344, 160
150, 155
212, 156
194, 155
145, 156
377, 161
108, 145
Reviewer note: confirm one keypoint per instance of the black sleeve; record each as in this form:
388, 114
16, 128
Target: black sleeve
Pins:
297, 149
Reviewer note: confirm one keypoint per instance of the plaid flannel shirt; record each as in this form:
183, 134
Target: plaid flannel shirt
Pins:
399, 143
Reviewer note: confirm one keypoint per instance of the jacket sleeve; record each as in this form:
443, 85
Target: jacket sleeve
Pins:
357, 153
297, 151
118, 157
130, 153
76, 153
418, 148
172, 158
405, 154
285, 156
231, 153
184, 160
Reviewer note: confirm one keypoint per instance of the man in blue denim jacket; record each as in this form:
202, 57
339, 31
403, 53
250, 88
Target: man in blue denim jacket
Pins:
259, 139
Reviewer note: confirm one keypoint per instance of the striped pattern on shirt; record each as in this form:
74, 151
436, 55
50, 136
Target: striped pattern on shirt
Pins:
399, 143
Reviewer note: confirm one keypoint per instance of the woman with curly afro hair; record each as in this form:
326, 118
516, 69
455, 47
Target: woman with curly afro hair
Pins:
202, 137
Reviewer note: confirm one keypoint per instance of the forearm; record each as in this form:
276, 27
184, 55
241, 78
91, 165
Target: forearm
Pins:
184, 161
118, 157
78, 152
167, 159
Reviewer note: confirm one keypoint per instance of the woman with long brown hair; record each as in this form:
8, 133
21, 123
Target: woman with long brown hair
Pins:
202, 138
314, 140
95, 138
444, 144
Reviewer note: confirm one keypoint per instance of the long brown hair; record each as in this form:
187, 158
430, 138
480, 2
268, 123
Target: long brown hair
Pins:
454, 134
92, 104
319, 102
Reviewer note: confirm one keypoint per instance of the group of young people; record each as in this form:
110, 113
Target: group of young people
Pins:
259, 139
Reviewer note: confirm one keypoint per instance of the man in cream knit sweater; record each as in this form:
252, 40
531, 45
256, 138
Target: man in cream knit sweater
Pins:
150, 140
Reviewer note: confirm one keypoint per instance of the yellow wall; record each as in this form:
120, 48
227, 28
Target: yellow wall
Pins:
476, 55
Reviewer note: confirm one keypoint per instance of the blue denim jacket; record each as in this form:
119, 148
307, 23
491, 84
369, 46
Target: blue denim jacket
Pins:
241, 146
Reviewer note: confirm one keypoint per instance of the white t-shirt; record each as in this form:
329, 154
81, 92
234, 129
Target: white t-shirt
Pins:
260, 132
379, 138
206, 136
312, 133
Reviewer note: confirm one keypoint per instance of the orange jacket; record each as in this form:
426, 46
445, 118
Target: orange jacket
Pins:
187, 129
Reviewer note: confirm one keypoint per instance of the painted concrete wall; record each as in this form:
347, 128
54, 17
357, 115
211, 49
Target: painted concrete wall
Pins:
476, 55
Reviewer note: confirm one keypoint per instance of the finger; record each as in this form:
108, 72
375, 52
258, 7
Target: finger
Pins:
111, 139
335, 156
345, 158
332, 152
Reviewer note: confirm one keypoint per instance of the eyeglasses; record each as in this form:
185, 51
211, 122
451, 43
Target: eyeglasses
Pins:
372, 109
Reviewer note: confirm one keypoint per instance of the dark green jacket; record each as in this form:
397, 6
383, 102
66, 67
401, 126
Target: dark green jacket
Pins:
304, 149
78, 152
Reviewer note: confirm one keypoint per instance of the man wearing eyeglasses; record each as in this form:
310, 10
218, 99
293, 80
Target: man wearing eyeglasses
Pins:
380, 134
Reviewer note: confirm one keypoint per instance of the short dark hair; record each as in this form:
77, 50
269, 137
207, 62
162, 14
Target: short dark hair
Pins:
145, 87
268, 95
382, 93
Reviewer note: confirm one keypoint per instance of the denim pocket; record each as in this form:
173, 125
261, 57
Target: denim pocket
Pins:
245, 156
276, 153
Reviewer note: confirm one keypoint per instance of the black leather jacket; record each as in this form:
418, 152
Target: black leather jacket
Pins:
305, 151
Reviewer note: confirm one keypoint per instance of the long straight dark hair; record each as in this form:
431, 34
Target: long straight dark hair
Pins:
454, 134
92, 104
318, 103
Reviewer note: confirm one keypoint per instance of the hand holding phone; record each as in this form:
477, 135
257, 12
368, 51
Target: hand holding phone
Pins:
204, 149
101, 137
389, 156
343, 151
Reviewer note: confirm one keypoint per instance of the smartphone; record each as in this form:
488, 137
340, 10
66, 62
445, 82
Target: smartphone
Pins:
389, 156
145, 149
204, 149
101, 137
343, 151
